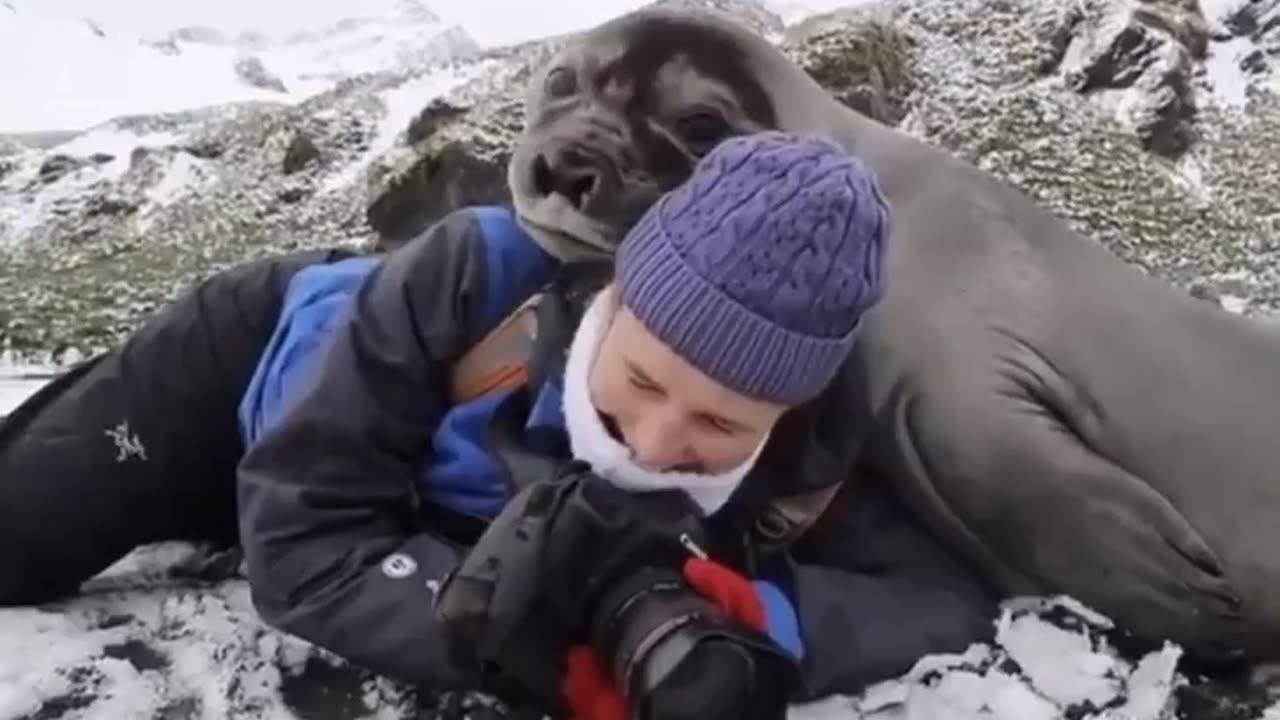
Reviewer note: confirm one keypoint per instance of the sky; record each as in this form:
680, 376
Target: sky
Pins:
490, 22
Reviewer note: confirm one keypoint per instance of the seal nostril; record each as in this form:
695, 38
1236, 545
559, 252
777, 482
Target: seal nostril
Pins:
543, 180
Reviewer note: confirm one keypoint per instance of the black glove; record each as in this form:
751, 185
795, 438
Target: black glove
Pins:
528, 587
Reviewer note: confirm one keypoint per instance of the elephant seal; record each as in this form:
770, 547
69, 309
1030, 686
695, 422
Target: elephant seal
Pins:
621, 114
1069, 423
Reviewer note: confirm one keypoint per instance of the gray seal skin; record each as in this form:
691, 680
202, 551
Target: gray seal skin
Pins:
1065, 421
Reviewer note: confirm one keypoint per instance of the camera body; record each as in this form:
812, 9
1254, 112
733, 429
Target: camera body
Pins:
573, 559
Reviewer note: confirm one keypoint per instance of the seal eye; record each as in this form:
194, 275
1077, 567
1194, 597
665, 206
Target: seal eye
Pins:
702, 130
560, 82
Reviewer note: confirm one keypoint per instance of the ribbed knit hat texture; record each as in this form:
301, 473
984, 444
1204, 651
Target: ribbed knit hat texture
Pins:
759, 267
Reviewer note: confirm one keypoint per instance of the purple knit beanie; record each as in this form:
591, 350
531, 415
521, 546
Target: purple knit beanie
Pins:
758, 269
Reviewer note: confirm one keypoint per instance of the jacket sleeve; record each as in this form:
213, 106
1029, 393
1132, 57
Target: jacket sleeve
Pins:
874, 593
334, 550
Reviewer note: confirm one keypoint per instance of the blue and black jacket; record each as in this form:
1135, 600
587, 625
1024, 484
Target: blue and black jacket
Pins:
352, 440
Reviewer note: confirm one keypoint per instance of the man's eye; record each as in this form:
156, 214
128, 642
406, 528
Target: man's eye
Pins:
642, 385
718, 425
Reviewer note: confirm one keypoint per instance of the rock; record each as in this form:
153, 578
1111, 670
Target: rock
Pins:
453, 175
437, 112
455, 151
109, 206
292, 195
1255, 62
302, 150
254, 74
863, 58
1180, 19
206, 149
1148, 46
1258, 20
56, 166
1201, 291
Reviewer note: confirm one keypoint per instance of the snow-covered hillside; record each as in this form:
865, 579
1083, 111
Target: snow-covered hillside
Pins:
105, 64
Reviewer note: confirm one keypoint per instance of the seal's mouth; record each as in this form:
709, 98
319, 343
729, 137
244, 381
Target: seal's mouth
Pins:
562, 228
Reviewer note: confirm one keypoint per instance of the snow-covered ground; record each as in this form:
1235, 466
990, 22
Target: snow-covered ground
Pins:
170, 632
17, 382
160, 636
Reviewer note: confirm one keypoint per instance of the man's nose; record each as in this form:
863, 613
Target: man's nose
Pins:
656, 445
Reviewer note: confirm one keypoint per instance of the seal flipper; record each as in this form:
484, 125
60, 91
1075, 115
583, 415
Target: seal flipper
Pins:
999, 475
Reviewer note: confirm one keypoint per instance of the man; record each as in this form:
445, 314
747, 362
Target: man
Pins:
708, 360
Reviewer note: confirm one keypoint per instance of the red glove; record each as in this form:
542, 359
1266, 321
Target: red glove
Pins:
588, 690
734, 594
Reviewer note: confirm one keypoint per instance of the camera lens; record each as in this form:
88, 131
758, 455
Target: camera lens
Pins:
709, 681
664, 653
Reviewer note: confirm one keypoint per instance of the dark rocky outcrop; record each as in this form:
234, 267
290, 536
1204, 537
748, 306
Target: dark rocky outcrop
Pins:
1150, 46
301, 150
205, 149
56, 166
254, 73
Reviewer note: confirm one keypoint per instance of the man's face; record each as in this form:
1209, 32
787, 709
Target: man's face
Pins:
671, 415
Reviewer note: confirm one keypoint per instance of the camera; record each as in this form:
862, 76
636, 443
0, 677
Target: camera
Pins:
673, 654
574, 559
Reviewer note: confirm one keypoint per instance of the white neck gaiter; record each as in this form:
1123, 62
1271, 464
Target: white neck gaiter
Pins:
591, 442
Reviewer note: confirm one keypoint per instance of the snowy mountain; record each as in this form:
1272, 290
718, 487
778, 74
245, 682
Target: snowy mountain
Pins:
107, 66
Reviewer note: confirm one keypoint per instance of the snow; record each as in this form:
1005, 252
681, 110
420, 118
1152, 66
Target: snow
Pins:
170, 631
184, 176
165, 628
16, 384
1228, 80
1226, 76
110, 65
137, 647
156, 630
21, 211
400, 104
115, 141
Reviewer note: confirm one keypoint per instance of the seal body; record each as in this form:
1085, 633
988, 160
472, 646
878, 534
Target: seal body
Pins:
1068, 422
1077, 425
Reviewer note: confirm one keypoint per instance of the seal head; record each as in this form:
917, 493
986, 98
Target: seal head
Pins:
622, 114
